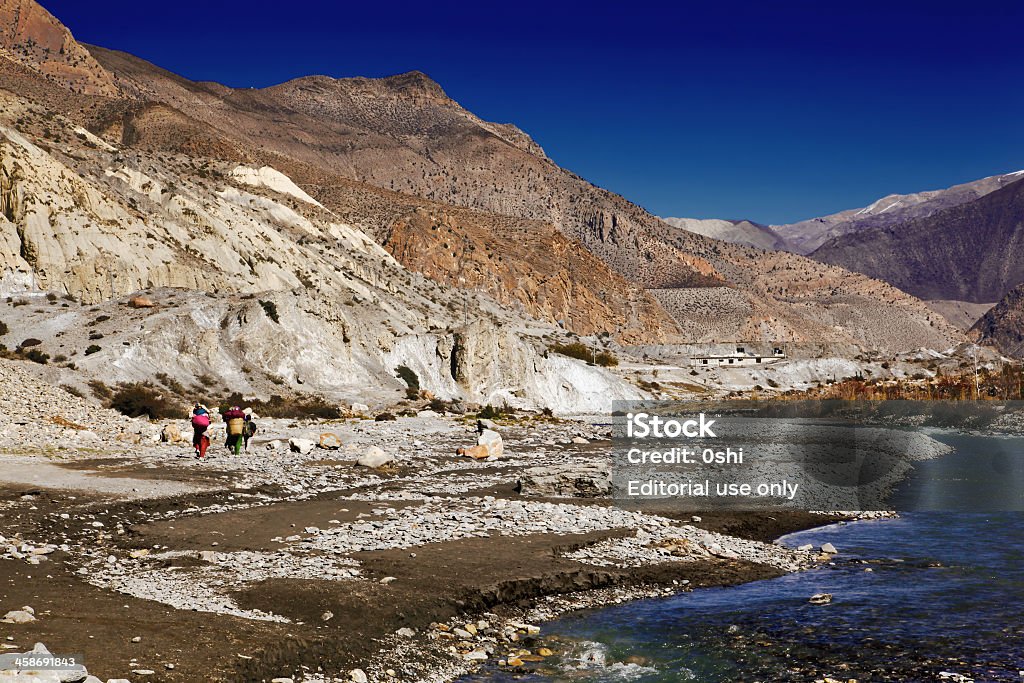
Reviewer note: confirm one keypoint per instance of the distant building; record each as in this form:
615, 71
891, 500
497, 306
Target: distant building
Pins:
741, 358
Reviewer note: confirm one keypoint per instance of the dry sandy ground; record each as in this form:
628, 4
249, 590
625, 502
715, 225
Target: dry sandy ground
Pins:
222, 571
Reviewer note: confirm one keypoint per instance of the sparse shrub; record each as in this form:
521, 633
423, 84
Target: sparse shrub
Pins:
51, 297
36, 356
582, 352
296, 406
91, 349
100, 390
74, 391
384, 417
489, 412
171, 383
138, 399
270, 308
3, 328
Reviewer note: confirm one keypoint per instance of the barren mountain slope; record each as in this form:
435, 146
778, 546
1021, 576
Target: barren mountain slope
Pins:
963, 314
1003, 326
404, 133
297, 296
591, 303
33, 37
806, 236
970, 252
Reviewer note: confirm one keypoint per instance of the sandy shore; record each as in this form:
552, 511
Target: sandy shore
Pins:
279, 564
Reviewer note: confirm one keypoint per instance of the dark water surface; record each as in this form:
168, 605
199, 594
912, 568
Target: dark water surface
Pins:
944, 598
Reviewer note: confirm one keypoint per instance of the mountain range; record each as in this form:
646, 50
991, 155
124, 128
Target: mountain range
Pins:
807, 236
960, 249
385, 195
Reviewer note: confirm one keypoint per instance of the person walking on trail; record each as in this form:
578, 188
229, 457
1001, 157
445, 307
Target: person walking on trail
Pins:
200, 423
235, 420
248, 429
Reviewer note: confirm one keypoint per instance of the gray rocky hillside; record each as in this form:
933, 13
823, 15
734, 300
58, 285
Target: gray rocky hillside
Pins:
272, 289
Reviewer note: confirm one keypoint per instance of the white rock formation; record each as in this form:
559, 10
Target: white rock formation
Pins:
272, 179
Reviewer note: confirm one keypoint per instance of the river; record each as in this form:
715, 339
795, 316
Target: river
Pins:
929, 596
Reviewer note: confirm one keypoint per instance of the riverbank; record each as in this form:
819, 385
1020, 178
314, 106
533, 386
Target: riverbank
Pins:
925, 597
289, 564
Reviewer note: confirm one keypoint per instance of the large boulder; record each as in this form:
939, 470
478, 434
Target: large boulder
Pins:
330, 441
475, 452
572, 480
171, 434
303, 446
491, 440
374, 457
18, 616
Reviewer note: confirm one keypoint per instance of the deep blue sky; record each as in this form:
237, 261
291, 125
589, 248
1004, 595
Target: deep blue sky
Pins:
773, 111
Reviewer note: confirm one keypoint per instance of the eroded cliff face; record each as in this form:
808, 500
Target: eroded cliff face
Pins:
256, 285
291, 341
530, 265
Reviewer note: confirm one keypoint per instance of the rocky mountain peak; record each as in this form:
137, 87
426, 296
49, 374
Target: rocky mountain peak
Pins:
416, 84
35, 38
